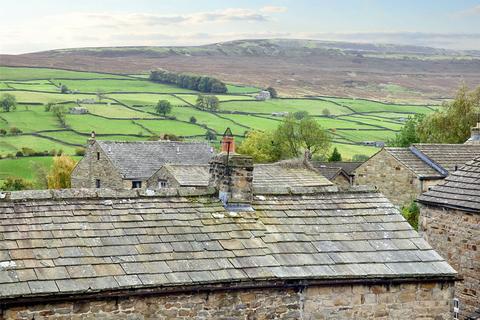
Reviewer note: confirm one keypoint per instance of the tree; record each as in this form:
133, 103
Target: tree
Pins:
200, 102
59, 175
299, 115
261, 146
193, 120
3, 132
8, 102
59, 112
49, 106
452, 122
335, 156
293, 136
408, 134
163, 107
326, 112
15, 184
313, 137
64, 89
212, 103
273, 92
210, 135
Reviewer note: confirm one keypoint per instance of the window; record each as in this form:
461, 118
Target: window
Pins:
456, 308
98, 155
136, 184
162, 183
97, 183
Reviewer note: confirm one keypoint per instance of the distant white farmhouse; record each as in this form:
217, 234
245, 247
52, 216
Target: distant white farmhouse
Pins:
263, 95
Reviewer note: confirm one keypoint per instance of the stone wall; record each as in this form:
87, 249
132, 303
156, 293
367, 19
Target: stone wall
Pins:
342, 182
89, 169
162, 174
401, 301
398, 183
455, 235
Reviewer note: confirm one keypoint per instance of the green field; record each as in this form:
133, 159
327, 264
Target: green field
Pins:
130, 116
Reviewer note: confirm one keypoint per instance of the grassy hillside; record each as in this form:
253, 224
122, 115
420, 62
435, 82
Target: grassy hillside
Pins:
126, 112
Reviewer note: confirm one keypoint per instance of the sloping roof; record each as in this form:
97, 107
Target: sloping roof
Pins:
347, 167
414, 163
330, 172
449, 156
434, 160
287, 174
141, 159
189, 175
460, 190
72, 242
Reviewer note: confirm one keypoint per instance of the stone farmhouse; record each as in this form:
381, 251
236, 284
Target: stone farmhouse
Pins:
339, 172
226, 251
402, 174
127, 165
450, 221
263, 95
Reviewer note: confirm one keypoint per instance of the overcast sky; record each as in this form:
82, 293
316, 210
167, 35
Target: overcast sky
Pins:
36, 25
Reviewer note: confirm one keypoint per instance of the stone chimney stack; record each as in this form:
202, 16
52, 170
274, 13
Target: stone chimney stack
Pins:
91, 140
232, 175
475, 136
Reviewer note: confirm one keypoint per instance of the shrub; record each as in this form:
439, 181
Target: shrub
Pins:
19, 154
79, 151
210, 135
411, 213
28, 152
3, 132
326, 112
15, 184
14, 131
193, 119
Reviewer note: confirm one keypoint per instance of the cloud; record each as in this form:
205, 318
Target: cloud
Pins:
273, 9
473, 11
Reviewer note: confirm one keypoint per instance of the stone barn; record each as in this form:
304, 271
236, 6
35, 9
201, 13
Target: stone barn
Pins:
450, 221
227, 251
402, 174
128, 165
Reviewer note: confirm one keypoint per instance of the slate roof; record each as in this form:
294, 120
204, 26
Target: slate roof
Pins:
330, 172
141, 159
74, 242
414, 163
346, 166
279, 175
190, 175
434, 160
460, 190
287, 174
449, 156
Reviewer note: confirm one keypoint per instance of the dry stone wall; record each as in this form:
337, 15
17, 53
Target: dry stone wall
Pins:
427, 301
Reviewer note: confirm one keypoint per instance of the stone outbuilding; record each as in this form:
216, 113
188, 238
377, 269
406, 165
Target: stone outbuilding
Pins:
127, 165
227, 251
402, 174
450, 221
339, 172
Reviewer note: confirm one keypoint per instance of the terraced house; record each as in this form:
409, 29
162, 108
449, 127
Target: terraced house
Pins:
450, 221
402, 174
228, 250
128, 165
